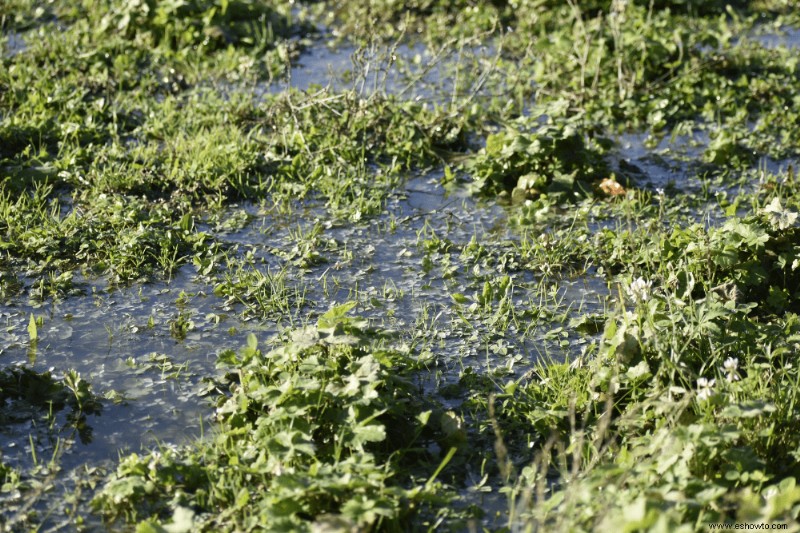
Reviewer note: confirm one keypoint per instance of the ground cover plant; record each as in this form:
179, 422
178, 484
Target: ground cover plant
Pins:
500, 266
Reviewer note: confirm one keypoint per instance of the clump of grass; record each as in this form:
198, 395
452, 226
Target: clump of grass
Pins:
680, 413
116, 120
206, 25
262, 294
673, 403
121, 237
555, 159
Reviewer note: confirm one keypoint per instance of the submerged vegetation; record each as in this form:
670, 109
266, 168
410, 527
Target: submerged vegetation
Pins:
520, 265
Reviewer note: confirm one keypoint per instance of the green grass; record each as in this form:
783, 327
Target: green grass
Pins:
140, 142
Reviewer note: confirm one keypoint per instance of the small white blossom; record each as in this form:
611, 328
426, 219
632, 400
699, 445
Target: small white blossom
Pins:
705, 388
730, 366
660, 196
639, 290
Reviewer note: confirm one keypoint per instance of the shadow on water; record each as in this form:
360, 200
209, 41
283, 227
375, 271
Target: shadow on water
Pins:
663, 165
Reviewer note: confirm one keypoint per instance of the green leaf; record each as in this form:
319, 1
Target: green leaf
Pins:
149, 527
748, 233
32, 331
423, 417
448, 174
335, 314
751, 409
459, 298
242, 498
182, 521
252, 341
640, 371
369, 433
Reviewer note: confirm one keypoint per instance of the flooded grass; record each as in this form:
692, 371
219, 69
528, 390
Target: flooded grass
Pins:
471, 266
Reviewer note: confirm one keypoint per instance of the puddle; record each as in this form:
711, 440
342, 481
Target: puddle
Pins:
13, 44
405, 269
106, 338
321, 65
664, 165
408, 268
402, 267
150, 351
150, 385
786, 37
412, 72
674, 162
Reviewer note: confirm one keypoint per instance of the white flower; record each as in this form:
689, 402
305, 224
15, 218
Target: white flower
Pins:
639, 290
730, 366
779, 218
705, 388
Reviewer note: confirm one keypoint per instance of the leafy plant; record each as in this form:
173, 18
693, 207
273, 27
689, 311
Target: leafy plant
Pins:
554, 159
324, 427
